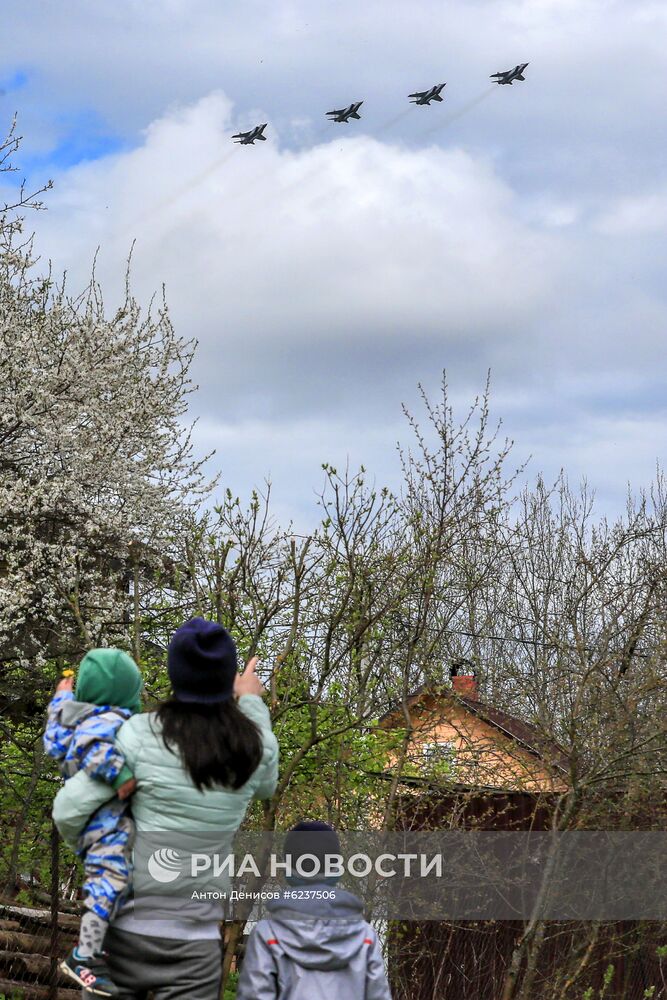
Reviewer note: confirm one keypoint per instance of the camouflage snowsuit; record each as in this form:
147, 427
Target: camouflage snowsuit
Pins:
82, 737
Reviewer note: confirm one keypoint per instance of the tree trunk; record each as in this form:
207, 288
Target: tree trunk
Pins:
22, 818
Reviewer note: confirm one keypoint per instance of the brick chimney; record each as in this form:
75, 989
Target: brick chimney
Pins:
464, 681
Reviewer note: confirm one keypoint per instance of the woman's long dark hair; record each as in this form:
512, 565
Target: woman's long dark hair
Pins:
217, 744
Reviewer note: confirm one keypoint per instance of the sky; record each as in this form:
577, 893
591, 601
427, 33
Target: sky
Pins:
328, 271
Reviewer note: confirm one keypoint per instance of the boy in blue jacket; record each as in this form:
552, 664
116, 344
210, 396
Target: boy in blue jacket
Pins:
80, 733
314, 948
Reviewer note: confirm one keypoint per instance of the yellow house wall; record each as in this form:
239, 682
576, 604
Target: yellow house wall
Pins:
483, 755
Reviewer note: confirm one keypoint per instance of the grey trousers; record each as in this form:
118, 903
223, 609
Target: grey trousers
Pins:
163, 967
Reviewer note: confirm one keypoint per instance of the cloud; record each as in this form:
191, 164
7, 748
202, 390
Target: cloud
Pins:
289, 455
644, 213
350, 257
327, 271
592, 73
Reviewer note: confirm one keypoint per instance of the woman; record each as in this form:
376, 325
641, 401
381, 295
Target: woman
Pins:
198, 761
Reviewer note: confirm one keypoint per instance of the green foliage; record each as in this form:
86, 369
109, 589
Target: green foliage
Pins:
231, 985
28, 783
648, 994
606, 982
342, 772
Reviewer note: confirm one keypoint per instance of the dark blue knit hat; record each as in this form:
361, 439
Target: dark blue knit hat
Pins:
201, 662
310, 837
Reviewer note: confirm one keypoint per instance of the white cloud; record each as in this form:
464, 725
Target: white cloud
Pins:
635, 215
267, 253
593, 63
290, 453
549, 424
328, 270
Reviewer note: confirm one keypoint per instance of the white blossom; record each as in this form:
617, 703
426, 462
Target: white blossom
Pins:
96, 470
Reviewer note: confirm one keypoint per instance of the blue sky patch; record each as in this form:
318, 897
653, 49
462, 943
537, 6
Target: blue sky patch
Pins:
13, 81
84, 137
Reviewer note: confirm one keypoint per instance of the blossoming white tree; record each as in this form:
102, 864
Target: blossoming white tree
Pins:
96, 466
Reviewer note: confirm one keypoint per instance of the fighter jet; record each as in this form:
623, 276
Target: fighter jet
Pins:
426, 96
344, 114
248, 138
510, 75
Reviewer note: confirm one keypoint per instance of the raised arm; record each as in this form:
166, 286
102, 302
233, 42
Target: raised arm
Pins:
249, 690
56, 736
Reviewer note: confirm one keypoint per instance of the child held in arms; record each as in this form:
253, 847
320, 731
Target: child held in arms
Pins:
80, 734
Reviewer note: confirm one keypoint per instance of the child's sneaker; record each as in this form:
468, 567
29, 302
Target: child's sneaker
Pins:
90, 973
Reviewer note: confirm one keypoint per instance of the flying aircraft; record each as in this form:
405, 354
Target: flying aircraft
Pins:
248, 138
344, 114
426, 96
510, 75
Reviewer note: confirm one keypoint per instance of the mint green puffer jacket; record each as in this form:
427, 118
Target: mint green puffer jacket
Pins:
166, 798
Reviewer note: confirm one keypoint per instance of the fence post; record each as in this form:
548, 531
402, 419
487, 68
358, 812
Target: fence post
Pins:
55, 895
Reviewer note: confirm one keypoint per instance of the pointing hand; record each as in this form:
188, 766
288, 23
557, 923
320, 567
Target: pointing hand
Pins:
248, 682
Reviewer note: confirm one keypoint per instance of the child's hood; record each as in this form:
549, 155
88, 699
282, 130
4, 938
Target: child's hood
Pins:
109, 677
319, 933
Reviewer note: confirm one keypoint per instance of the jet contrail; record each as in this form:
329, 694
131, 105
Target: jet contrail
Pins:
198, 179
176, 195
393, 121
460, 113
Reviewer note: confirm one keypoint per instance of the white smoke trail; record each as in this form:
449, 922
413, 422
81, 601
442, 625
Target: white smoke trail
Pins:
160, 207
459, 113
194, 182
393, 121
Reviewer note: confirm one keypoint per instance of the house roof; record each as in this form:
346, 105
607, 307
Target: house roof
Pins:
524, 733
